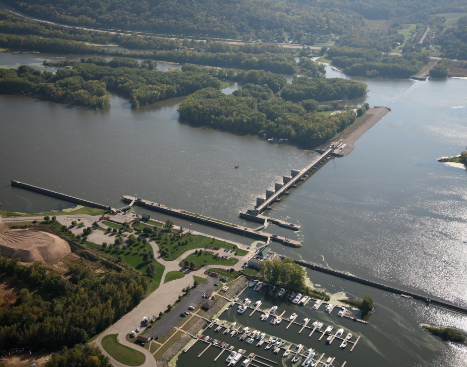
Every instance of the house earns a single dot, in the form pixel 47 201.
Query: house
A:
pixel 208 293
pixel 143 339
pixel 208 304
pixel 263 254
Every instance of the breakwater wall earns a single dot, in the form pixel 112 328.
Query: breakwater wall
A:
pixel 387 288
pixel 58 195
pixel 211 222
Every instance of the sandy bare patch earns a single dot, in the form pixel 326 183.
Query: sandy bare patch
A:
pixel 32 246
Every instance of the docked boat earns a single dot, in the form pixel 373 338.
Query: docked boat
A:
pixel 328 329
pixel 257 304
pixel 319 326
pixel 226 331
pixel 222 344
pixel 261 336
pixel 329 308
pixel 340 332
pixel 314 362
pixel 298 348
pixel 297 298
pixel 231 356
pixel 273 309
pixel 258 286
pixel 281 343
pixel 308 352
pixel 317 304
pixel 218 328
pixel 293 316
pixel 264 316
pixel 342 312
pixel 343 344
pixel 210 325
pixel 277 349
pixel 305 320
pixel 273 320
pixel 281 292
pixel 304 300
pixel 246 362
pixel 233 333
pixel 292 297
pixel 245 301
pixel 286 353
pixel 349 336
pixel 329 339
pixel 269 346
pixel 251 341
pixel 241 309
pixel 242 337
pixel 233 325
pixel 215 342
pixel 252 283
pixel 307 362
pixel 260 343
pixel 278 320
pixel 296 358
pixel 235 359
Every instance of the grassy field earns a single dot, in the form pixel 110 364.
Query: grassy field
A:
pixel 75 210
pixel 173 248
pixel 452 18
pixel 133 256
pixel 199 280
pixel 122 353
pixel 160 352
pixel 173 275
pixel 115 225
pixel 208 258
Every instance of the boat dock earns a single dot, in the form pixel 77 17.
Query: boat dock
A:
pixel 312 331
pixel 211 222
pixel 355 343
pixel 304 326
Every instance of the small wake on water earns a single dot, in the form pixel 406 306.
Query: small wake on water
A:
pixel 405 90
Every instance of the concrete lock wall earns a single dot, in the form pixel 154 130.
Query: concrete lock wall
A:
pixel 286 179
pixel 278 186
pixel 294 172
pixel 259 201
pixel 269 193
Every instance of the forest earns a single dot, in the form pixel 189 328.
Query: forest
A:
pixel 53 310
pixel 255 110
pixel 373 63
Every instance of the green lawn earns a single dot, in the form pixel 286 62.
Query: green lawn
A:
pixel 122 353
pixel 172 247
pixel 115 225
pixel 207 258
pixel 133 256
pixel 250 271
pixel 173 275
pixel 199 280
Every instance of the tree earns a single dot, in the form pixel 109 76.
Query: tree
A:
pixel 367 304
pixel 146 257
pixel 192 265
pixel 186 263
pixel 168 224
pixel 46 218
pixel 151 270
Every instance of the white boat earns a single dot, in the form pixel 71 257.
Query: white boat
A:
pixel 286 353
pixel 313 362
pixel 273 309
pixel 257 304
pixel 273 320
pixel 329 339
pixel 264 316
pixel 297 298
pixel 307 362
pixel 210 325
pixel 343 344
pixel 342 312
pixel 245 329
pixel 278 320
pixel 252 283
pixel 241 309
pixel 258 286
pixel 305 320
pixel 292 296
pixel 277 349
pixel 349 336
pixel 304 300
pixel 281 343
pixel 329 308
pixel 218 328
pixel 231 356
pixel 245 301
pixel 319 326
pixel 233 325
pixel 246 362
pixel 298 348
pixel 328 329
pixel 281 292
pixel 233 333
pixel 269 346
pixel 261 336
pixel 296 358
pixel 317 304
pixel 260 343
pixel 293 316
pixel 235 359
pixel 308 352
pixel 340 332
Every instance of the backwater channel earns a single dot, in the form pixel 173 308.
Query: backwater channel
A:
pixel 387 212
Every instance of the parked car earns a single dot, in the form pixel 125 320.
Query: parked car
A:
pixel 182 314
pixel 191 307
pixel 216 284
pixel 186 313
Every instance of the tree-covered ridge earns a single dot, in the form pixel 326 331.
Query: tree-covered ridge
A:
pixel 373 63
pixel 268 20
pixel 254 110
pixel 53 310
pixel 79 356
pixel 453 42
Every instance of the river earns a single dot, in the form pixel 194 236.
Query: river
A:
pixel 387 212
